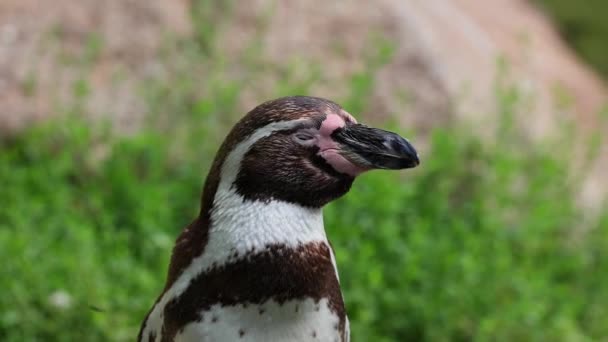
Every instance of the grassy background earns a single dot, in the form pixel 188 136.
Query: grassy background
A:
pixel 482 242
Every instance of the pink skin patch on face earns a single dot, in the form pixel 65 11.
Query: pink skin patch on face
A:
pixel 330 150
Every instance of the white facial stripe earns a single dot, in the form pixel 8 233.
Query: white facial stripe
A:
pixel 232 164
pixel 349 117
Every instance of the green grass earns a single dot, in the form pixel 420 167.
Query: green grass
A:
pixel 482 242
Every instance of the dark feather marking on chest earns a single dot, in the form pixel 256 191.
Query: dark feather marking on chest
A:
pixel 278 273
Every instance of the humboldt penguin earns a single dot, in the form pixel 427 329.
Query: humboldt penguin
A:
pixel 256 264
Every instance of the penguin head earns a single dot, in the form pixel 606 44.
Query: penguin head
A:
pixel 304 150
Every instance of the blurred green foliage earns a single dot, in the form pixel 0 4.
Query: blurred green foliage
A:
pixel 584 25
pixel 482 242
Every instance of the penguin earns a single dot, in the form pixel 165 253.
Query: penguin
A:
pixel 256 264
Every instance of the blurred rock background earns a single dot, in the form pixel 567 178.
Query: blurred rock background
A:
pixel 445 57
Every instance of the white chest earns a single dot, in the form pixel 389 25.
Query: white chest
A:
pixel 297 320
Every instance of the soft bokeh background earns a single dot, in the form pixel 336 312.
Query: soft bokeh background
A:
pixel 110 113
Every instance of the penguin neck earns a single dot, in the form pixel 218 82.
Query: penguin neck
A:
pixel 234 229
pixel 241 226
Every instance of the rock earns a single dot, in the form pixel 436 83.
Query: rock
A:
pixel 50 51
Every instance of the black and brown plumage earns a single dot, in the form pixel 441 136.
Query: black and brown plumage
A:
pixel 256 265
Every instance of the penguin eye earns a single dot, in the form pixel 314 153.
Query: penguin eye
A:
pixel 304 137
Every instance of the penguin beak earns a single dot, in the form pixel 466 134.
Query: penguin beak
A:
pixel 374 148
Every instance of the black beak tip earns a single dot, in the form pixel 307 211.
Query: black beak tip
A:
pixel 409 162
pixel 407 153
pixel 414 161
